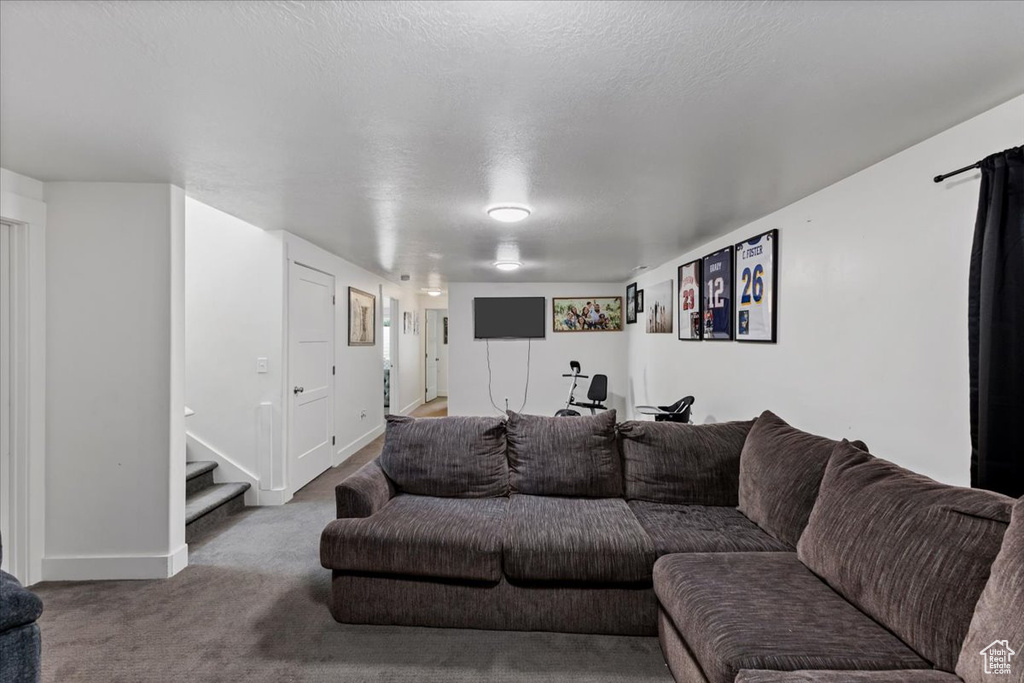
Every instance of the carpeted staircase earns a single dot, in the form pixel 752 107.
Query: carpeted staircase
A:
pixel 207 503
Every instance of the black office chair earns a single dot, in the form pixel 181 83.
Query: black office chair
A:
pixel 677 412
pixel 596 395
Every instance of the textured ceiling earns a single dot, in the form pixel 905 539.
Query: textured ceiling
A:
pixel 381 131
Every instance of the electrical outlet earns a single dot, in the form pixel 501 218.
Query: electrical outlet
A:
pixel 261 366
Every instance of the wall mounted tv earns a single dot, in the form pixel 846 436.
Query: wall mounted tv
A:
pixel 509 317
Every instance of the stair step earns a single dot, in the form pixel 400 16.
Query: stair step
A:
pixel 199 467
pixel 211 498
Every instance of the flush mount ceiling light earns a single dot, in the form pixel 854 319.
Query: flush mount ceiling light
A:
pixel 507 265
pixel 433 292
pixel 509 213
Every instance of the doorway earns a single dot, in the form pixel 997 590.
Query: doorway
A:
pixel 436 354
pixel 310 374
pixel 391 317
pixel 6 451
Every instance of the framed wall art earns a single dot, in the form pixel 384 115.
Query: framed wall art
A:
pixel 362 318
pixel 631 304
pixel 691 326
pixel 717 284
pixel 639 301
pixel 756 287
pixel 660 311
pixel 587 314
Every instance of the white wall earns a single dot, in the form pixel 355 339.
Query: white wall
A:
pixel 115 457
pixel 234 308
pixel 872 340
pixel 597 352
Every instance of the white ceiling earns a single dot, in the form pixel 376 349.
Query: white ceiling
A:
pixel 381 131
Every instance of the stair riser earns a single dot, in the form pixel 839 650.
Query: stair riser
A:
pixel 199 483
pixel 213 518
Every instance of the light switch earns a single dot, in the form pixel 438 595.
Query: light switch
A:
pixel 261 366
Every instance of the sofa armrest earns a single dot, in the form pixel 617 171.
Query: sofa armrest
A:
pixel 364 492
pixel 18 605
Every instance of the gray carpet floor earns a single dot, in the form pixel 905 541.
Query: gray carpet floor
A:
pixel 251 606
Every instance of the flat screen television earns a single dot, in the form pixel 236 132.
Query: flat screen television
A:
pixel 509 317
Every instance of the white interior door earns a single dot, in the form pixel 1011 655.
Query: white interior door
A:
pixel 310 374
pixel 431 355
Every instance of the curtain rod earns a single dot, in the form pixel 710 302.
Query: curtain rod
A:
pixel 940 178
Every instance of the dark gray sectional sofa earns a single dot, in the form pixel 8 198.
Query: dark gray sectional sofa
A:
pixel 757 552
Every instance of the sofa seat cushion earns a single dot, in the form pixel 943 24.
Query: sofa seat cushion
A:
pixel 998 619
pixel 780 471
pixel 575 539
pixel 455 538
pixel 702 529
pixel 684 464
pixel 556 456
pixel 911 553
pixel 904 676
pixel 457 457
pixel 767 611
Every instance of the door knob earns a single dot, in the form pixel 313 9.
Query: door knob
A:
pixel 298 390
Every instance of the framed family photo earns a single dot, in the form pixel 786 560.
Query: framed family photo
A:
pixel 631 304
pixel 718 303
pixel 691 325
pixel 659 313
pixel 756 284
pixel 587 314
pixel 362 318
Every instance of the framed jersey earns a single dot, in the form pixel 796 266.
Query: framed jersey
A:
pixel 756 286
pixel 691 326
pixel 717 289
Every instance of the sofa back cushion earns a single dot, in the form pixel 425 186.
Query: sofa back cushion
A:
pixel 908 551
pixel 449 457
pixel 780 471
pixel 999 615
pixel 564 456
pixel 670 462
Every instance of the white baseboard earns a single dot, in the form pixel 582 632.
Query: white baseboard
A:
pixel 228 471
pixel 348 451
pixel 411 407
pixel 98 568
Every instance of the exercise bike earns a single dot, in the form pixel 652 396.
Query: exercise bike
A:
pixel 596 394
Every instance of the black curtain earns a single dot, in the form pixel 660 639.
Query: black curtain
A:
pixel 996 327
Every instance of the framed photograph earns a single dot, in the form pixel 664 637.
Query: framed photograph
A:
pixel 631 304
pixel 362 318
pixel 639 301
pixel 587 314
pixel 407 322
pixel 416 323
pixel 691 325
pixel 446 329
pixel 717 284
pixel 659 313
pixel 756 285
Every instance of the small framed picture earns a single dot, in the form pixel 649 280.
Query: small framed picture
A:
pixel 631 304
pixel 659 315
pixel 362 318
pixel 446 329
pixel 756 278
pixel 691 325
pixel 587 314
pixel 639 301
pixel 717 285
